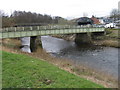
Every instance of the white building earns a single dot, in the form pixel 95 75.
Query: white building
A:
pixel 101 21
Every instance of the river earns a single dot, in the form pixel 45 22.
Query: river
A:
pixel 103 59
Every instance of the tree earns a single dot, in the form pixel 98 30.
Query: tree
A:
pixel 1 14
pixel 5 20
pixel 22 17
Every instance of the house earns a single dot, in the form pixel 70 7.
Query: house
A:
pixel 95 20
pixel 84 21
pixel 107 20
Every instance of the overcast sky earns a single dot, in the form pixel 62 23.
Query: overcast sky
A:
pixel 63 8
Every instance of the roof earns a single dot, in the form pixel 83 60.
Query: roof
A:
pixel 95 20
pixel 84 19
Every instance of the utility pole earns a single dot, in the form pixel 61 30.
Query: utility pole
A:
pixel 119 6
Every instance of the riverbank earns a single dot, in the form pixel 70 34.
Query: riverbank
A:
pixel 82 71
pixel 21 71
pixel 111 39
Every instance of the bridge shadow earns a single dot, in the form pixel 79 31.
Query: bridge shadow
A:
pixel 86 46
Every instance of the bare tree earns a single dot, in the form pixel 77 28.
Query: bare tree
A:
pixel 29 17
pixel 115 14
pixel 1 14
pixel 5 20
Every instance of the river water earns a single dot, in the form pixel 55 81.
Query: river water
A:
pixel 103 59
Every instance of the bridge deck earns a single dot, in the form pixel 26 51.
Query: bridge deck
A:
pixel 13 32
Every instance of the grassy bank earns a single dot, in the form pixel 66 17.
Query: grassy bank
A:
pixel 111 39
pixel 21 71
pixel 12 45
pixel 113 33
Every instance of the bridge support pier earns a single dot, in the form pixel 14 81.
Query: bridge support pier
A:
pixel 82 38
pixel 33 43
pixel 30 44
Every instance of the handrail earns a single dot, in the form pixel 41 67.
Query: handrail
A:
pixel 54 27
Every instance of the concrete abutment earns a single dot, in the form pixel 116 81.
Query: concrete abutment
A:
pixel 87 38
pixel 83 38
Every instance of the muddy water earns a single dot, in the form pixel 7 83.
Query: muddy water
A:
pixel 103 59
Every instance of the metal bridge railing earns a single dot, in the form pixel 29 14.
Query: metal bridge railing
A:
pixel 55 27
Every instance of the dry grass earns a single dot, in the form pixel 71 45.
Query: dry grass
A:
pixel 108 43
pixel 68 65
pixel 111 43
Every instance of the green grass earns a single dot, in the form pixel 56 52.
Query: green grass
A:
pixel 113 33
pixel 22 71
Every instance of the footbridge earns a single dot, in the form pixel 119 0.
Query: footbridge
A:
pixel 13 32
pixel 31 33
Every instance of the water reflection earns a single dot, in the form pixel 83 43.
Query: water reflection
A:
pixel 101 58
pixel 55 45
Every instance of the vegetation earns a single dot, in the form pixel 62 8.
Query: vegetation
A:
pixel 112 33
pixel 19 18
pixel 12 45
pixel 29 17
pixel 111 39
pixel 21 71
